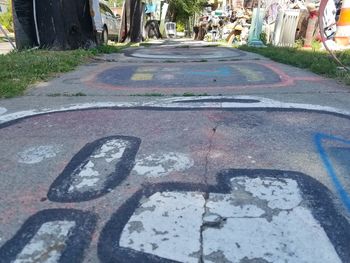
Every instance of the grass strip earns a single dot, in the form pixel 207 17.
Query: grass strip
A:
pixel 18 70
pixel 319 62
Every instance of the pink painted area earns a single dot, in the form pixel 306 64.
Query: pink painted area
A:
pixel 25 201
pixel 285 81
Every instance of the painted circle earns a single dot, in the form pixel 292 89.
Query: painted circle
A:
pixel 184 53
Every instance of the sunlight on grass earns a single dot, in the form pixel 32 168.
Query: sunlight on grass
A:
pixel 18 70
pixel 319 62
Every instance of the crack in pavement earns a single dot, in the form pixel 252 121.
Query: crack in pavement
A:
pixel 202 228
pixel 206 192
pixel 208 154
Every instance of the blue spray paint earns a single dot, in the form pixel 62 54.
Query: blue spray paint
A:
pixel 329 167
pixel 222 71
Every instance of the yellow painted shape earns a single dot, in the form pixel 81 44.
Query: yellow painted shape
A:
pixel 142 76
pixel 146 69
pixel 251 75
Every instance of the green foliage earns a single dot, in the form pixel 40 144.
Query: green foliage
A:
pixel 6 19
pixel 108 49
pixel 111 3
pixel 316 45
pixel 299 43
pixel 263 38
pixel 180 27
pixel 181 10
pixel 319 62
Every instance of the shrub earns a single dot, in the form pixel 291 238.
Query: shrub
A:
pixel 6 19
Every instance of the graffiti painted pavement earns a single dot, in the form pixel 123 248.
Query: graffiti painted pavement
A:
pixel 201 182
pixel 182 69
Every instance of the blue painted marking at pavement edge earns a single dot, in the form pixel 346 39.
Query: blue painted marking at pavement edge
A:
pixel 329 167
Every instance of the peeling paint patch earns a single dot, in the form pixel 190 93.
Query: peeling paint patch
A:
pixel 96 169
pixel 258 219
pixel 176 231
pixel 162 164
pixel 249 216
pixel 231 206
pixel 37 154
pixel 266 221
pixel 286 239
pixel 47 244
pixel 280 194
pixel 99 166
pixel 53 235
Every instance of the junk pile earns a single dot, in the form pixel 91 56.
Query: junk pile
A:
pixel 154 20
pixel 278 22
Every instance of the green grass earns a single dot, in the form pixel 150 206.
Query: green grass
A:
pixel 319 62
pixel 190 94
pixel 18 70
pixel 65 94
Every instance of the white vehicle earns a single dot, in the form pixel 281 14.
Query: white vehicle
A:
pixel 110 24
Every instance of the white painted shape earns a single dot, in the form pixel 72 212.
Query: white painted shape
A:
pixel 85 176
pixel 88 170
pixel 112 150
pixel 289 233
pixel 211 218
pixel 37 154
pixel 99 165
pixel 223 205
pixel 170 221
pixel 279 194
pixel 162 164
pixel 47 244
pixel 77 106
pixel 2 110
pixel 293 236
pixel 85 182
pixel 166 77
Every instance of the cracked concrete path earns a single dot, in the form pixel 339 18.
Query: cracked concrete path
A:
pixel 144 174
pixel 258 219
pixel 108 177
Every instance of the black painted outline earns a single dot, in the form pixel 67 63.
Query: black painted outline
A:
pixel 58 191
pixel 79 238
pixel 317 198
pixel 218 100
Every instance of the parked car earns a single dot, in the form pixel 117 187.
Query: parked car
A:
pixel 111 24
